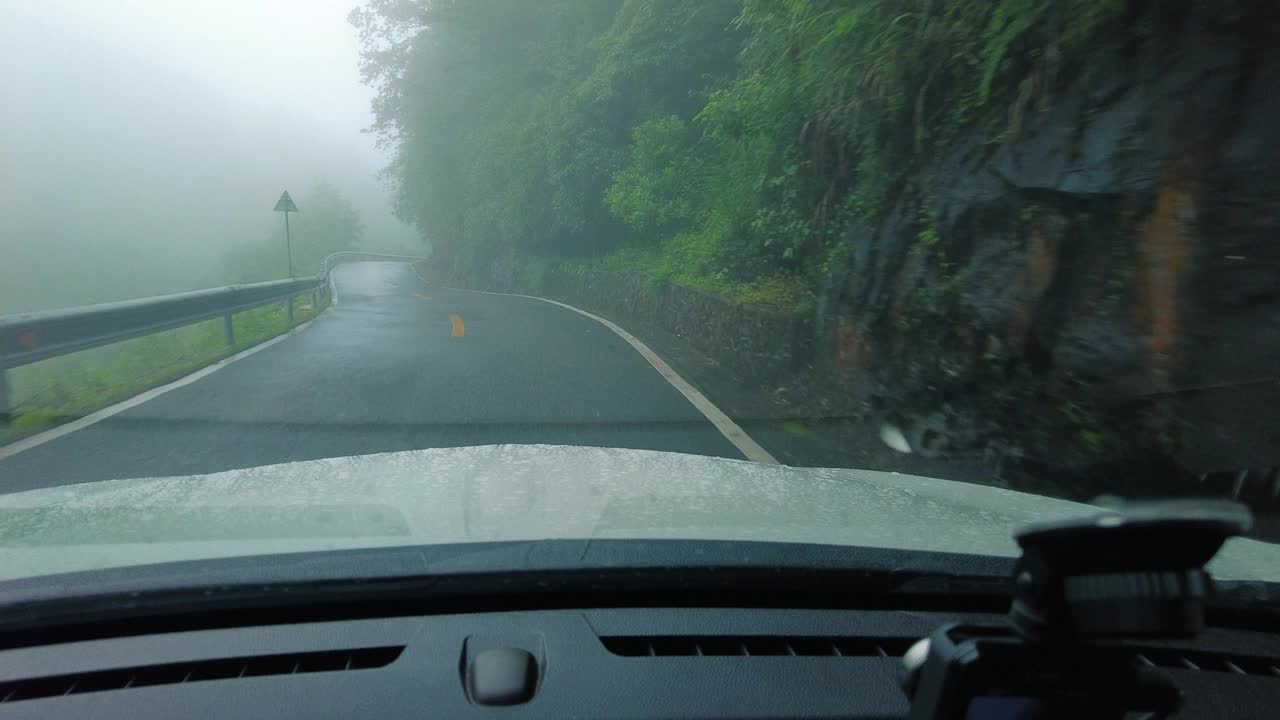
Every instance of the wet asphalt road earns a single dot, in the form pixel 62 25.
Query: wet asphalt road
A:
pixel 388 368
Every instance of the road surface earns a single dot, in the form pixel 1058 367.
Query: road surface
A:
pixel 394 365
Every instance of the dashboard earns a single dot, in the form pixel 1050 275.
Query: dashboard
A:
pixel 646 662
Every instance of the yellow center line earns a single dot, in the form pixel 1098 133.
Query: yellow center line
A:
pixel 420 296
pixel 727 427
pixel 458 328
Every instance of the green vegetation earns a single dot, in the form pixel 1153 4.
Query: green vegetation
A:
pixel 326 224
pixel 724 144
pixel 678 261
pixel 796 428
pixel 61 389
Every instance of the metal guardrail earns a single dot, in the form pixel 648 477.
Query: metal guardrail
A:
pixel 333 259
pixel 30 337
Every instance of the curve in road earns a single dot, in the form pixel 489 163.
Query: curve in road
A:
pixel 395 365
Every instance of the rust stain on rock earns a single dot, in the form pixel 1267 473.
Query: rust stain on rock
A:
pixel 1164 256
pixel 1042 257
pixel 1043 246
pixel 851 349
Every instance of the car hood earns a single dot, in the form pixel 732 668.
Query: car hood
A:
pixel 520 492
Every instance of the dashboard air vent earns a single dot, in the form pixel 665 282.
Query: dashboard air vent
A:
pixel 199 670
pixel 772 645
pixel 754 645
pixel 1207 661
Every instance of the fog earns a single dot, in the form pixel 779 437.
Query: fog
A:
pixel 143 143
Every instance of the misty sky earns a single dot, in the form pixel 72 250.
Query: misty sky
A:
pixel 140 139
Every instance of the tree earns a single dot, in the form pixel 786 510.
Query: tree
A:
pixel 510 119
pixel 326 222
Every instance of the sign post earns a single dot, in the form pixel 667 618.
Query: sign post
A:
pixel 286 206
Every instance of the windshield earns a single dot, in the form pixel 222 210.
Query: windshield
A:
pixel 294 275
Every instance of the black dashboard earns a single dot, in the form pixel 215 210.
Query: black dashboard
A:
pixel 700 662
pixel 550 629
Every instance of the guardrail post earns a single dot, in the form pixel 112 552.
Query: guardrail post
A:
pixel 228 330
pixel 6 404
pixel 288 311
pixel 315 300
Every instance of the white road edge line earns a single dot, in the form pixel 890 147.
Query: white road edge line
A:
pixel 38 439
pixel 727 427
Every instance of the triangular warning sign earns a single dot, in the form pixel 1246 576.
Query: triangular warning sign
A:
pixel 285 203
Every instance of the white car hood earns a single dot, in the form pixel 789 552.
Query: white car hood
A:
pixel 520 492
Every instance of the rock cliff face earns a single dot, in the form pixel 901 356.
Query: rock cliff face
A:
pixel 1098 287
pixel 1088 284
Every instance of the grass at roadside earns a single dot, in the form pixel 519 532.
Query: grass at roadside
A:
pixel 61 389
pixel 681 261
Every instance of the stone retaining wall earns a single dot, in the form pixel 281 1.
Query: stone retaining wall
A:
pixel 758 344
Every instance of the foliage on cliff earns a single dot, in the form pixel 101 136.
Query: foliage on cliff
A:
pixel 730 141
